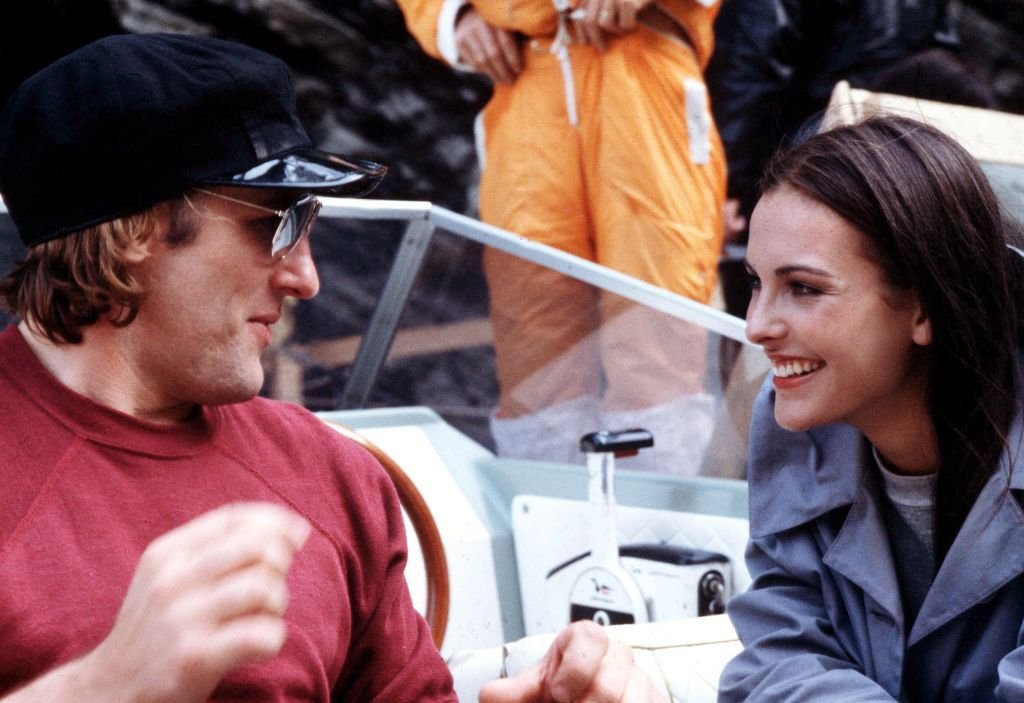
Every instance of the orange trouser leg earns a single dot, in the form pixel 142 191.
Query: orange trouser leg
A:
pixel 622 189
pixel 655 177
pixel 544 323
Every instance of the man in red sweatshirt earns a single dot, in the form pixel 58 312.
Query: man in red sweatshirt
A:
pixel 166 534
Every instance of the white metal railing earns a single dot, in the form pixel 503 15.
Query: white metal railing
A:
pixel 424 218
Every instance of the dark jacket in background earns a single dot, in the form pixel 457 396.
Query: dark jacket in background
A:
pixel 776 62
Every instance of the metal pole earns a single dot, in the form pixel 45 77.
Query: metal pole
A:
pixel 376 343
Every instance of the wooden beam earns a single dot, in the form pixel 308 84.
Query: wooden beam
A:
pixel 409 342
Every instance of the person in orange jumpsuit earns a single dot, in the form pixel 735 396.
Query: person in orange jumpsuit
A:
pixel 598 140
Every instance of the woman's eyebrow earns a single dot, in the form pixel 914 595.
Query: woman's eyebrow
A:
pixel 800 268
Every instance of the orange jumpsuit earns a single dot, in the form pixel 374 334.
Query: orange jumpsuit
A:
pixel 636 184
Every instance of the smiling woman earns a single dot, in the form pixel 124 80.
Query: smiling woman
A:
pixel 822 289
pixel 886 527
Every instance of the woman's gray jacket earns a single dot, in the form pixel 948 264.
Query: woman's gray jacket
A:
pixel 823 619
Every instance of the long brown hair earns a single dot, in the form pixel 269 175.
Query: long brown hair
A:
pixel 937 229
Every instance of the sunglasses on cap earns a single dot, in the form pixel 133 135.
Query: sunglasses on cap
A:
pixel 296 220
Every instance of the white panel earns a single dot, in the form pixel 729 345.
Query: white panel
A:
pixel 550 531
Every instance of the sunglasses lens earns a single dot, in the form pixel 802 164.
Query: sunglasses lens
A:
pixel 296 223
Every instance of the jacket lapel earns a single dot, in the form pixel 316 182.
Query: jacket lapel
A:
pixel 795 477
pixel 861 551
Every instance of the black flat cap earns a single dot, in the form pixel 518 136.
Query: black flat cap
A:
pixel 130 120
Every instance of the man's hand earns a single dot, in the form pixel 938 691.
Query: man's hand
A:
pixel 593 19
pixel 582 665
pixel 489 50
pixel 205 598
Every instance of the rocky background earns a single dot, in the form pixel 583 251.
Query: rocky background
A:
pixel 366 89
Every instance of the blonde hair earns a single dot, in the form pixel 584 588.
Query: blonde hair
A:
pixel 69 283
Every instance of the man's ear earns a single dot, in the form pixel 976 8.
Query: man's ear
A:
pixel 140 248
pixel 922 331
pixel 137 251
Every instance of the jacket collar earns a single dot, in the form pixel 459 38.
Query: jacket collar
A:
pixel 795 477
pixel 824 468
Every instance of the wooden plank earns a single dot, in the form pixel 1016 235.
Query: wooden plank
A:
pixel 409 342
